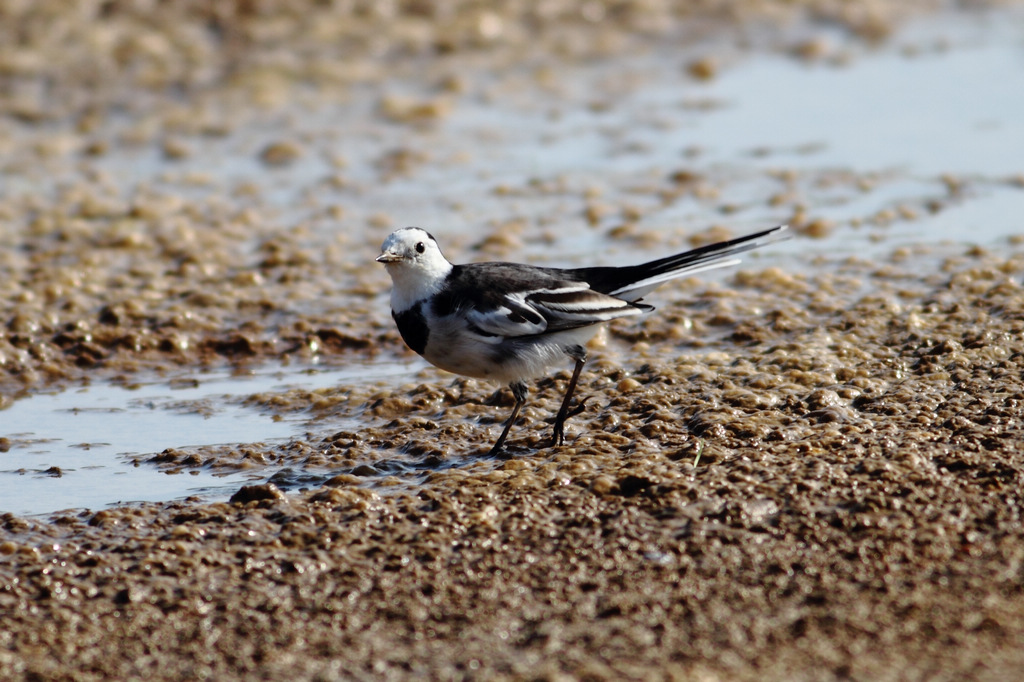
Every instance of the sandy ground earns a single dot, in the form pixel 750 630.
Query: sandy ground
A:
pixel 778 476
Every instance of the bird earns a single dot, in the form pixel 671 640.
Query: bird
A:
pixel 511 322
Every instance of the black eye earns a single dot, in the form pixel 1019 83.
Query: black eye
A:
pixel 420 248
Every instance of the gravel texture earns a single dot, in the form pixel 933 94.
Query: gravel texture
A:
pixel 777 476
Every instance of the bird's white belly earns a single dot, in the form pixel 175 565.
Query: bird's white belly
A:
pixel 504 360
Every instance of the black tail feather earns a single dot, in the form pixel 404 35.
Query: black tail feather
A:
pixel 609 279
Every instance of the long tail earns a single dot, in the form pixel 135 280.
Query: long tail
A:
pixel 634 281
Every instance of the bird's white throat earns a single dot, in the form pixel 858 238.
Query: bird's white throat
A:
pixel 413 282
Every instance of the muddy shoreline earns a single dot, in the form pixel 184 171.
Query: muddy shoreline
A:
pixel 807 470
pixel 837 496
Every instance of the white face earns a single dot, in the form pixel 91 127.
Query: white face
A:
pixel 415 263
pixel 412 247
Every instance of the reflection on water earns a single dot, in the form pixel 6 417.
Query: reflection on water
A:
pixel 79 448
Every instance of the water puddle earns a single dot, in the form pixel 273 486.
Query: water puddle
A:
pixel 88 447
pixel 944 110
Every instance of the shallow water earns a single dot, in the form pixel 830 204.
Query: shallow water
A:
pixel 858 133
pixel 88 447
pixel 943 110
pixel 939 100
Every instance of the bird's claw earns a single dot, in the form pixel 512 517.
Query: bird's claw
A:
pixel 558 436
pixel 579 408
pixel 500 453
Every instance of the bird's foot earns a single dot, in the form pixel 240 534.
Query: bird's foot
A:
pixel 500 452
pixel 558 435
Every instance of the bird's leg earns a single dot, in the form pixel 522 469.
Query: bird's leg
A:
pixel 519 391
pixel 579 353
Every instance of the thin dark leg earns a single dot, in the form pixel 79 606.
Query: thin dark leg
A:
pixel 519 391
pixel 558 437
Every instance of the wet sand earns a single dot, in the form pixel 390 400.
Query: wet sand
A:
pixel 807 473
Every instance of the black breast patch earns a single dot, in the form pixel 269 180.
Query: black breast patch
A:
pixel 412 325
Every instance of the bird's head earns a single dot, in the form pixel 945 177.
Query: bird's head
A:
pixel 415 263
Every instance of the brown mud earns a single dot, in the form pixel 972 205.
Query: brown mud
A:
pixel 778 476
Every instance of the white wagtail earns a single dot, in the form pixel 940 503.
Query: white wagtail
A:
pixel 509 322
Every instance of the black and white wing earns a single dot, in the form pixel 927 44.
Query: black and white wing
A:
pixel 508 300
pixel 545 311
